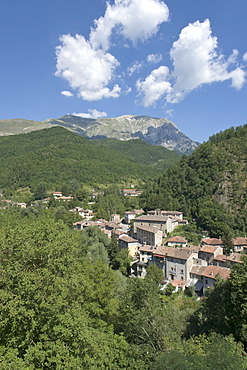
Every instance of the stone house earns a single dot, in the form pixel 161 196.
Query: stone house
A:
pixel 176 263
pixel 222 260
pixel 176 214
pixel 209 252
pixel 149 235
pixel 162 222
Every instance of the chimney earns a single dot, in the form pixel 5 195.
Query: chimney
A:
pixel 157 212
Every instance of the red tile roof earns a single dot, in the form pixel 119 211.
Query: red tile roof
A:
pixel 212 271
pixel 212 241
pixel 177 239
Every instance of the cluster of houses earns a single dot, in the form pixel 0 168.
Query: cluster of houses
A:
pixel 183 265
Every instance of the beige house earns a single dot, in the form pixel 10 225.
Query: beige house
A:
pixel 149 235
pixel 130 215
pixel 176 214
pixel 162 222
pixel 146 253
pixel 129 243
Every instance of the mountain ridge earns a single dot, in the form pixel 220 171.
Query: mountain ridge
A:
pixel 153 130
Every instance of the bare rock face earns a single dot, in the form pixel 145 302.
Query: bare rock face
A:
pixel 155 131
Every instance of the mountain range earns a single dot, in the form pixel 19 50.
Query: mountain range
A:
pixel 155 131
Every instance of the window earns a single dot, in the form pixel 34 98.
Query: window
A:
pixel 206 281
pixel 182 278
pixel 142 259
pixel 182 271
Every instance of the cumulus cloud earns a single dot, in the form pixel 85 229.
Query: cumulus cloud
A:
pixel 86 69
pixel 195 63
pixel 154 86
pixel 133 19
pixel 154 58
pixel 87 65
pixel 245 57
pixel 67 93
pixel 92 113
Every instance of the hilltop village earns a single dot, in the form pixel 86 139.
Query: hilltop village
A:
pixel 147 239
pixel 183 265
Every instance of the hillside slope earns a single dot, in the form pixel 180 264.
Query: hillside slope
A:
pixel 210 185
pixel 56 156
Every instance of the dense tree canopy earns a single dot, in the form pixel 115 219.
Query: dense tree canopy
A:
pixel 62 306
pixel 210 185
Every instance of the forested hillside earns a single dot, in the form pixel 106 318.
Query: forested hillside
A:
pixel 142 152
pixel 56 156
pixel 209 186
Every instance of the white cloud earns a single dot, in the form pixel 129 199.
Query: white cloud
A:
pixel 135 68
pixel 133 19
pixel 154 86
pixel 154 58
pixel 196 62
pixel 245 57
pixel 86 64
pixel 92 113
pixel 87 70
pixel 67 93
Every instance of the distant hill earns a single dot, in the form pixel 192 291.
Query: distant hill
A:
pixel 57 156
pixel 20 126
pixel 155 131
pixel 210 185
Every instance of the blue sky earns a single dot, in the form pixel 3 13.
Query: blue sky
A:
pixel 184 60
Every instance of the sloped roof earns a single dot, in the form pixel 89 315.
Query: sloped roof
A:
pixel 212 271
pixel 127 239
pixel 177 239
pixel 212 241
pixel 150 229
pixel 181 253
pixel 239 241
pixel 208 249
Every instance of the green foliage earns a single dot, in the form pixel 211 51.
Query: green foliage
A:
pixel 190 232
pixel 66 159
pixel 224 307
pixel 203 353
pixel 122 261
pixel 63 307
pixel 154 274
pixel 56 306
pixel 143 153
pixel 210 185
